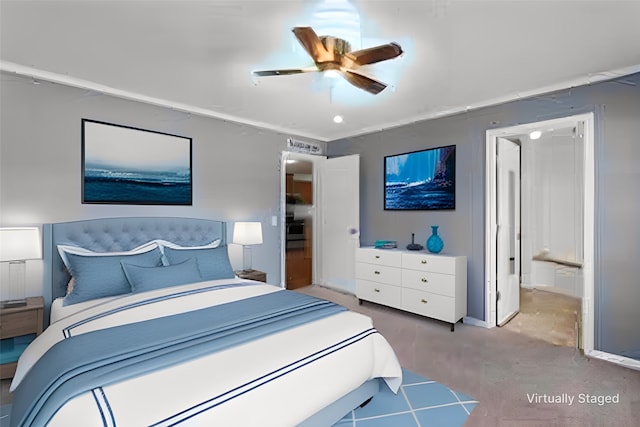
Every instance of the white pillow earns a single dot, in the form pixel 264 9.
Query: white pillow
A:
pixel 63 250
pixel 165 243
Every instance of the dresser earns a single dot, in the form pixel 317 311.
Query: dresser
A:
pixel 419 282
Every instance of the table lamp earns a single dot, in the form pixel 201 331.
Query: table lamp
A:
pixel 245 234
pixel 18 244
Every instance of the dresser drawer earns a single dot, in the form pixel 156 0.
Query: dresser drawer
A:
pixel 378 292
pixel 437 283
pixel 19 323
pixel 426 262
pixel 379 257
pixel 428 304
pixel 378 273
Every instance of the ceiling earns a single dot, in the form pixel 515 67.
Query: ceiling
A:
pixel 197 56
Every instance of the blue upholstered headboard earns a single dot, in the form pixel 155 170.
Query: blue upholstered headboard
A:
pixel 117 234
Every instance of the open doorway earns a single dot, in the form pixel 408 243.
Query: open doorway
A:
pixel 331 221
pixel 299 221
pixel 556 243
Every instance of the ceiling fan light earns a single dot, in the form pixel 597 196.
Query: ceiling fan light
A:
pixel 332 74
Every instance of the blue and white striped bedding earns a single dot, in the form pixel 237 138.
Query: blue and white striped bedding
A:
pixel 278 379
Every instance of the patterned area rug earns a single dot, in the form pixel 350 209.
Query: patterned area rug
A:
pixel 420 402
pixel 5 410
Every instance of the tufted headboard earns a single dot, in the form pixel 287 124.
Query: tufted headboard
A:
pixel 117 234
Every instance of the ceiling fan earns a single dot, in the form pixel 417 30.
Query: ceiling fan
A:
pixel 332 53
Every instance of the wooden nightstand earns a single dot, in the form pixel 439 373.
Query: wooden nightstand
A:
pixel 18 327
pixel 259 276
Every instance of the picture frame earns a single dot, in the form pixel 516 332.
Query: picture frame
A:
pixel 128 165
pixel 421 180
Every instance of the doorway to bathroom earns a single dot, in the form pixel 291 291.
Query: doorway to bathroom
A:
pixel 540 244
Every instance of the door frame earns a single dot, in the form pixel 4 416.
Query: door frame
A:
pixel 517 204
pixel 588 317
pixel 314 159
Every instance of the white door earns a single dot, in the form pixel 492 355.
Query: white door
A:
pixel 508 239
pixel 339 189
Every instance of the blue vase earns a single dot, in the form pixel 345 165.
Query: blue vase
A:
pixel 434 242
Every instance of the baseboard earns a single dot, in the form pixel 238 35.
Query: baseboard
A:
pixel 334 288
pixel 614 358
pixel 472 321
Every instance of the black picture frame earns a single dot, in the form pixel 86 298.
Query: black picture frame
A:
pixel 128 165
pixel 421 180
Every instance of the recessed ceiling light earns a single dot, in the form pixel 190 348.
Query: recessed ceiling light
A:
pixel 337 119
pixel 535 134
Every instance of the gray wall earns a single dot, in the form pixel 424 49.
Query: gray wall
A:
pixel 617 112
pixel 236 173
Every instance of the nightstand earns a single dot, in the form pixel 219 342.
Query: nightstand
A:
pixel 259 276
pixel 18 327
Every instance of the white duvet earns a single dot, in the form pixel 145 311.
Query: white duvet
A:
pixel 298 382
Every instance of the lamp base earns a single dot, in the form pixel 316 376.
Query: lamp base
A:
pixel 13 303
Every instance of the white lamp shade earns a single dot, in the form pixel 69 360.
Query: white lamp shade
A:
pixel 20 243
pixel 247 233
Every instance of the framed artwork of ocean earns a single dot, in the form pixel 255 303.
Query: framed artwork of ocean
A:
pixel 128 165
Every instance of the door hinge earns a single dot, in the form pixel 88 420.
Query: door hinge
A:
pixel 498 296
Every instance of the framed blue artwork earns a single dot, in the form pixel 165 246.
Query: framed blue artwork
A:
pixel 421 180
pixel 127 165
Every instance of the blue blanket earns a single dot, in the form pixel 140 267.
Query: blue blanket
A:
pixel 95 359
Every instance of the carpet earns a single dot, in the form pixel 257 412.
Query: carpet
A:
pixel 420 402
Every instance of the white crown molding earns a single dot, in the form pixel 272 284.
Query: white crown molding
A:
pixel 37 74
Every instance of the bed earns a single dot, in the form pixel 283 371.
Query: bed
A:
pixel 182 341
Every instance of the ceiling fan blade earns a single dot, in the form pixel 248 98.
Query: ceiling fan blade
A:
pixel 312 44
pixel 284 72
pixel 375 54
pixel 363 82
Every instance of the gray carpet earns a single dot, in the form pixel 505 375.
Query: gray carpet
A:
pixel 503 370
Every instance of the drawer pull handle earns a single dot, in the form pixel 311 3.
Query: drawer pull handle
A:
pixel 424 261
pixel 424 301
pixel 423 280
pixel 377 256
pixel 376 272
pixel 376 290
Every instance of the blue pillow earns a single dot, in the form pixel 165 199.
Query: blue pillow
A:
pixel 213 262
pixel 103 276
pixel 150 278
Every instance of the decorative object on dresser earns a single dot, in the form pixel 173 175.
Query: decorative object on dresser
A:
pixel 430 285
pixel 413 246
pixel 434 242
pixel 385 244
pixel 18 327
pixel 258 276
pixel 18 244
pixel 245 234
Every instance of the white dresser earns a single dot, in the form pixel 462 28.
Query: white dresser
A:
pixel 416 281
